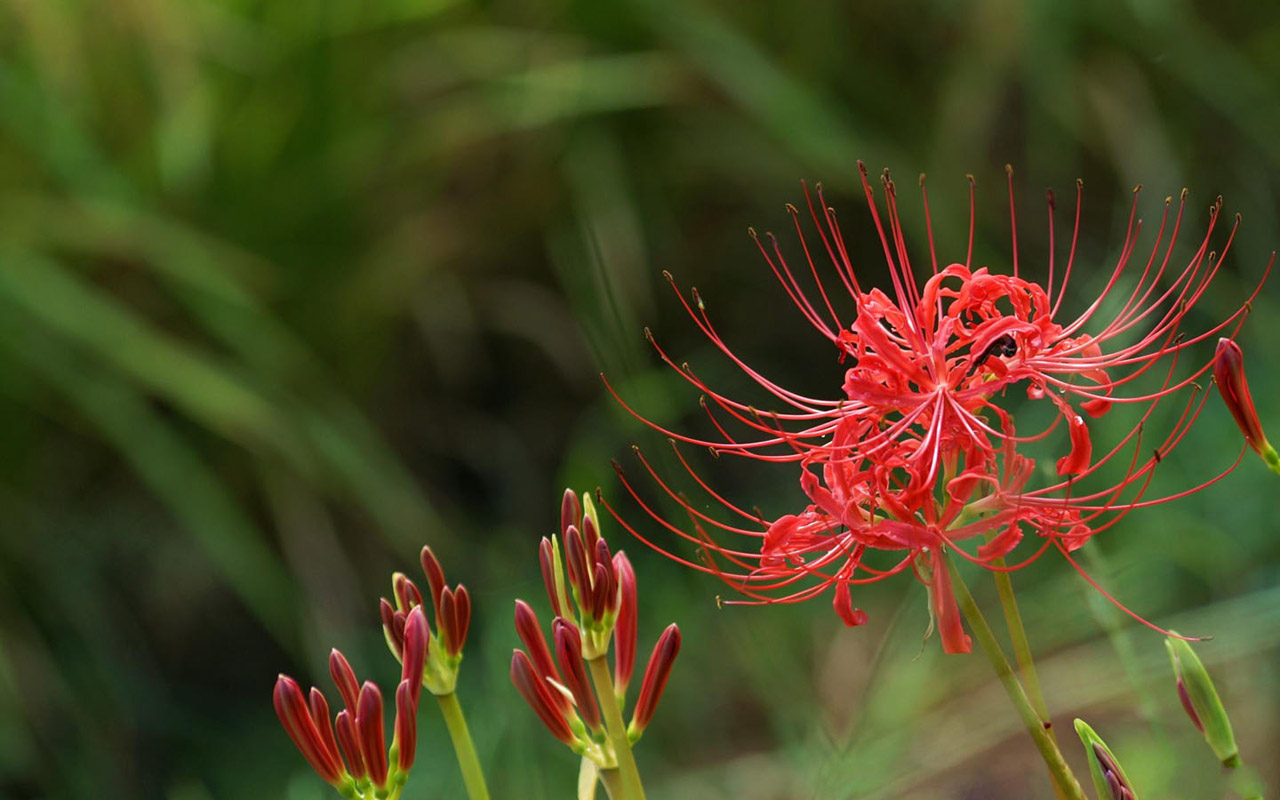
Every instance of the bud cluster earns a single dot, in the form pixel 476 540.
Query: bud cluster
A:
pixel 554 679
pixel 349 752
pixel 452 609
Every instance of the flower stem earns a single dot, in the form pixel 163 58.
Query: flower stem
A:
pixel 463 747
pixel 1063 780
pixel 1021 646
pixel 629 774
pixel 1022 653
pixel 612 781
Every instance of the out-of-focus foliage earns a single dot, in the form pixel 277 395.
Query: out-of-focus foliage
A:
pixel 288 289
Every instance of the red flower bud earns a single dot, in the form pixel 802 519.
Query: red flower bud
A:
pixel 530 632
pixel 407 594
pixel 454 619
pixel 416 637
pixel 1228 373
pixel 537 694
pixel 298 722
pixel 393 632
pixel 575 557
pixel 345 679
pixel 406 736
pixel 655 678
pixel 435 579
pixel 624 632
pixel 349 742
pixel 323 722
pixel 546 560
pixel 373 738
pixel 569 655
pixel 570 511
pixel 590 533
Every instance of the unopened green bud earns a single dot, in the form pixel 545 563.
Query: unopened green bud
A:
pixel 1109 780
pixel 1200 699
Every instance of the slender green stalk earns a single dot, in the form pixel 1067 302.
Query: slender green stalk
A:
pixel 463 747
pixel 1021 646
pixel 612 780
pixel 628 772
pixel 1022 652
pixel 1058 769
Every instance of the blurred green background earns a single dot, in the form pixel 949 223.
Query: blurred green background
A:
pixel 289 289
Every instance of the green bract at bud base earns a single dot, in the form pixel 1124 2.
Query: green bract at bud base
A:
pixel 1109 780
pixel 1201 700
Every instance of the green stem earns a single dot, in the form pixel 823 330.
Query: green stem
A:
pixel 612 780
pixel 1022 653
pixel 463 747
pixel 628 772
pixel 1063 780
pixel 1021 646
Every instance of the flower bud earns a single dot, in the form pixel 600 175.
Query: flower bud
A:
pixel 570 511
pixel 553 576
pixel 625 630
pixel 537 694
pixel 590 519
pixel 1109 780
pixel 416 645
pixel 345 679
pixel 1201 701
pixel 655 680
pixel 454 619
pixel 569 656
pixel 406 592
pixel 296 717
pixel 406 735
pixel 1228 373
pixel 435 579
pixel 373 738
pixel 349 743
pixel 392 627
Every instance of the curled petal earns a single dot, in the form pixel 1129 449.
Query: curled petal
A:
pixel 945 610
pixel 1077 461
pixel 851 616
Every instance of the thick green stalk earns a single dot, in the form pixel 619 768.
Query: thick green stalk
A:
pixel 463 747
pixel 1058 770
pixel 602 677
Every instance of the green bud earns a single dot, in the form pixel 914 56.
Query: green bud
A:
pixel 1200 699
pixel 1109 780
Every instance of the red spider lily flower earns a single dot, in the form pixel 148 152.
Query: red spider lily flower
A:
pixel 356 736
pixel 919 451
pixel 1228 374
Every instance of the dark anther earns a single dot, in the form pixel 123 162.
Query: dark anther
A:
pixel 1004 346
